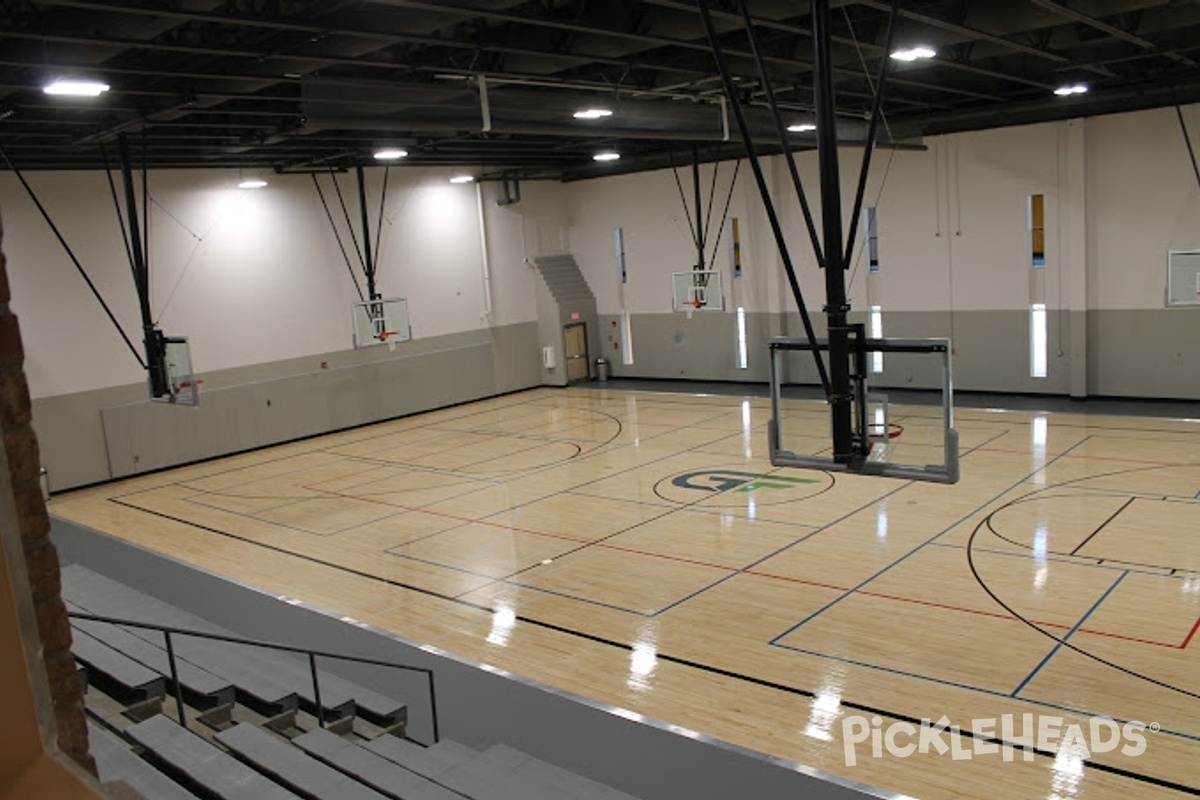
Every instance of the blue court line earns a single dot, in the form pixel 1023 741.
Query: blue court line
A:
pixel 192 499
pixel 296 528
pixel 1061 559
pixel 986 443
pixel 1058 645
pixel 921 546
pixel 492 580
pixel 970 688
pixel 788 546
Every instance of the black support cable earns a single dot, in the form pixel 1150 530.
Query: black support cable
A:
pixel 146 210
pixel 337 236
pixel 712 196
pixel 346 213
pixel 140 267
pixel 869 145
pixel 112 188
pixel 699 207
pixel 682 197
pixel 781 132
pixel 382 204
pixel 773 217
pixel 71 255
pixel 368 264
pixel 725 214
pixel 1188 140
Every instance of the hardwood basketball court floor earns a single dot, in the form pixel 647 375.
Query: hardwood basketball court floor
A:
pixel 637 549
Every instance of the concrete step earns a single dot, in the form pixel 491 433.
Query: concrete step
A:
pixel 202 764
pixel 370 768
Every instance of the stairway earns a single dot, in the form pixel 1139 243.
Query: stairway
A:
pixel 566 282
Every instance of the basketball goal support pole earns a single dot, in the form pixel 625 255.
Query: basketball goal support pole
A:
pixel 368 262
pixel 152 337
pixel 841 396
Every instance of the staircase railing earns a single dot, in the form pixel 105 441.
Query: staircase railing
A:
pixel 169 632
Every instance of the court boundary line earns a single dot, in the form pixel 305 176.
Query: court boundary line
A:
pixel 1063 641
pixel 711 669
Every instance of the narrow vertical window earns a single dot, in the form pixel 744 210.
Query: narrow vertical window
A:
pixel 872 227
pixel 1037 230
pixel 626 338
pixel 1037 340
pixel 619 252
pixel 1038 344
pixel 741 338
pixel 622 279
pixel 876 333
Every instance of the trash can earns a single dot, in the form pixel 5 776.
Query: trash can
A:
pixel 602 369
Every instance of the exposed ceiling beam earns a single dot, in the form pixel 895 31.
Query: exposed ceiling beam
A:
pixel 1064 10
pixel 970 33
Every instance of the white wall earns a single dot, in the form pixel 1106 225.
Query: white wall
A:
pixel 1143 199
pixel 955 248
pixel 960 206
pixel 249 276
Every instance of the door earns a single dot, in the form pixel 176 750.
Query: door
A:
pixel 575 343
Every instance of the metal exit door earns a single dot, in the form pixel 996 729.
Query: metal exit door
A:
pixel 576 349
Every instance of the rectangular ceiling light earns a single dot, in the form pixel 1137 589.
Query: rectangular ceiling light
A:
pixel 76 88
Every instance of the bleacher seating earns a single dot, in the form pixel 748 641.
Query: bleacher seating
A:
pixel 370 768
pixel 201 763
pixel 269 681
pixel 291 766
pixel 116 762
pixel 272 747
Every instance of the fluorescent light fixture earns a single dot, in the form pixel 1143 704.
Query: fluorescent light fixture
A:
pixel 607 155
pixel 802 127
pixel 593 113
pixel 390 154
pixel 1067 91
pixel 252 183
pixel 914 53
pixel 76 88
pixel 462 179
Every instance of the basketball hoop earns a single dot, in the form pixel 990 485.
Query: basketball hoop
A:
pixel 383 335
pixel 877 431
pixel 695 303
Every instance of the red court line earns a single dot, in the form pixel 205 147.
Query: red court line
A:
pixel 962 610
pixel 1188 640
pixel 880 595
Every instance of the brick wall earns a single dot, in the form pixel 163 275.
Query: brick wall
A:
pixel 20 444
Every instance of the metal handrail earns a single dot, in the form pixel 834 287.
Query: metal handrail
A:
pixel 168 631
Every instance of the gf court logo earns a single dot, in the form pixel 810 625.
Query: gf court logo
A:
pixel 736 487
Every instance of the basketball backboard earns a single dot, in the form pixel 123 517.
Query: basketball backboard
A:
pixel 180 385
pixel 697 290
pixel 915 440
pixel 381 321
pixel 1183 278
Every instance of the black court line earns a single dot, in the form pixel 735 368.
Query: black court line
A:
pixel 310 437
pixel 987 523
pixel 1114 515
pixel 684 662
pixel 665 657
pixel 1041 494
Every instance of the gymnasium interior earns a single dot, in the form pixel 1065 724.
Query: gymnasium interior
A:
pixel 574 399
